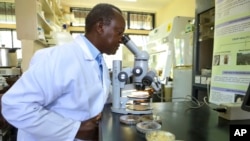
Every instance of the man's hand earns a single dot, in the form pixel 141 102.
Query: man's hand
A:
pixel 89 129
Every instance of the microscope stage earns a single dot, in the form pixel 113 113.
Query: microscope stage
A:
pixel 139 95
pixel 139 107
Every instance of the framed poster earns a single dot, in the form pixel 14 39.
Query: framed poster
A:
pixel 231 54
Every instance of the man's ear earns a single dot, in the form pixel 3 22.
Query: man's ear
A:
pixel 99 27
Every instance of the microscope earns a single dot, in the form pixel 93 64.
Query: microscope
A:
pixel 142 79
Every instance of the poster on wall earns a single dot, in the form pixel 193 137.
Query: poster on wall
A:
pixel 231 54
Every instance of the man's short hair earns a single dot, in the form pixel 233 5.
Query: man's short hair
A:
pixel 101 12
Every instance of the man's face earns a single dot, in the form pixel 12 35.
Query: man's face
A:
pixel 112 34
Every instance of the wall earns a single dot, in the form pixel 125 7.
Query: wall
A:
pixel 175 8
pixel 29 47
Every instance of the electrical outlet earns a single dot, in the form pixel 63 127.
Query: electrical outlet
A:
pixel 208 80
pixel 203 80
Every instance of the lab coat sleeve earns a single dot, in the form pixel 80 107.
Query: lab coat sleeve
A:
pixel 110 96
pixel 24 105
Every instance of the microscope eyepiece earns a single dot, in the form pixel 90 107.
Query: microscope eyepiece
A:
pixel 125 39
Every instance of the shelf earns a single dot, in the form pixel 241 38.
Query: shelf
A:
pixel 39 13
pixel 57 9
pixel 43 42
pixel 47 42
pixel 206 38
pixel 202 86
pixel 59 19
pixel 45 25
pixel 206 24
pixel 47 8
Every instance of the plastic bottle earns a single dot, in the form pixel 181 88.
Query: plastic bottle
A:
pixel 63 36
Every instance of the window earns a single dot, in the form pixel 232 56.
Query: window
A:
pixel 8 38
pixel 141 21
pixel 134 20
pixel 16 42
pixel 79 15
pixel 140 40
pixel 5 38
pixel 7 13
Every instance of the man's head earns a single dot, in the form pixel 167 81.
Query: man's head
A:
pixel 104 27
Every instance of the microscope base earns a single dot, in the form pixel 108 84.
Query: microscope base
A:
pixel 127 111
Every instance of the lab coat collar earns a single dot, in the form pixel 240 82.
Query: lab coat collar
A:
pixel 87 55
pixel 94 51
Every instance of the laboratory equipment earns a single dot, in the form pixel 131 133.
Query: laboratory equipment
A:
pixel 142 79
pixel 62 37
pixel 237 110
pixel 232 111
pixel 9 69
pixel 170 47
pixel 9 74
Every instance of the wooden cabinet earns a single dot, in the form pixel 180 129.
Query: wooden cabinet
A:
pixel 205 40
pixel 203 48
pixel 37 19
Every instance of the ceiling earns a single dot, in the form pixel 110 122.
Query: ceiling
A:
pixel 138 5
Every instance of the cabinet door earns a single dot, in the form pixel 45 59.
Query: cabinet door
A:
pixel 37 18
pixel 26 19
pixel 203 53
pixel 205 40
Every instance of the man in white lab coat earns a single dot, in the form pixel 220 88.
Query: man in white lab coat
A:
pixel 62 94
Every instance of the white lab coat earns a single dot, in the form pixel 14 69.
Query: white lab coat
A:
pixel 60 89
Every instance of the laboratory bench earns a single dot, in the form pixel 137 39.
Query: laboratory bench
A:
pixel 7 132
pixel 188 124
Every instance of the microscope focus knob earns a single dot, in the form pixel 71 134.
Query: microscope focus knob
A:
pixel 137 71
pixel 122 76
